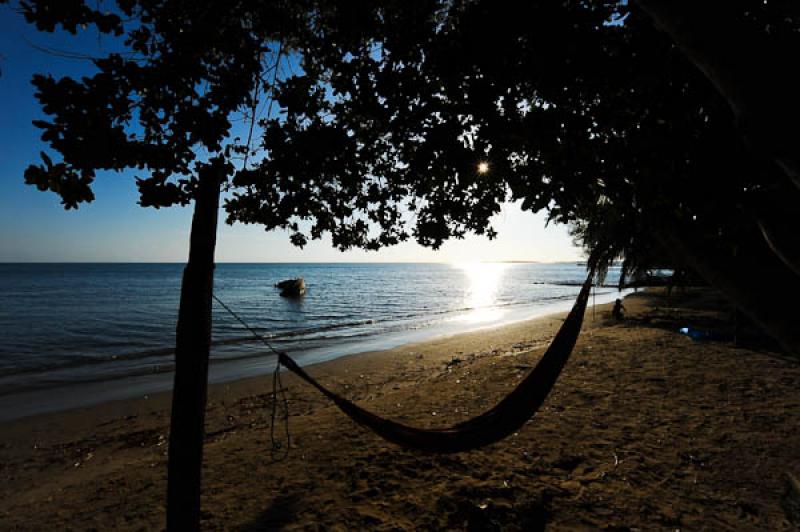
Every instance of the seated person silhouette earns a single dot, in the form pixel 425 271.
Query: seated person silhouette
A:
pixel 617 311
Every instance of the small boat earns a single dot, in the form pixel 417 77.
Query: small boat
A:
pixel 292 287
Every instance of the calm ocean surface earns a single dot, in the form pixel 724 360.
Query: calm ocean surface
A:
pixel 75 334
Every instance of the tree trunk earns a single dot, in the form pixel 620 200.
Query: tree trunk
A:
pixel 192 347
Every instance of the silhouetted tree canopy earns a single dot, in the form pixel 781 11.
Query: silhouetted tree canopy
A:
pixel 389 108
pixel 568 108
pixel 163 104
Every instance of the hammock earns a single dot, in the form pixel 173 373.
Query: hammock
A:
pixel 508 416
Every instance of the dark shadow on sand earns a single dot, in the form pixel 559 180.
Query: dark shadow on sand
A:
pixel 701 309
pixel 279 513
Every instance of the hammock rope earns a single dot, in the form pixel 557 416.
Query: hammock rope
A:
pixel 505 418
pixel 278 391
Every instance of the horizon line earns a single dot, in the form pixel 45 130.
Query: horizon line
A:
pixel 302 262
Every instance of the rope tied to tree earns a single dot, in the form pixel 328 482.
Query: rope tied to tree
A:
pixel 278 393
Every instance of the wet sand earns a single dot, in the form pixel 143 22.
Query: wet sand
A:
pixel 646 429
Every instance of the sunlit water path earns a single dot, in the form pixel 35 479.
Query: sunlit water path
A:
pixel 77 333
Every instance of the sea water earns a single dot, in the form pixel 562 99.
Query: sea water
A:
pixel 74 334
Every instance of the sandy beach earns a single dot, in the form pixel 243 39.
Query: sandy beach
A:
pixel 646 429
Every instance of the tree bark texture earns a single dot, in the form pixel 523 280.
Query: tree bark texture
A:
pixel 193 342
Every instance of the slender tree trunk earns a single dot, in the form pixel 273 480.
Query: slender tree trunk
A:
pixel 783 240
pixel 193 343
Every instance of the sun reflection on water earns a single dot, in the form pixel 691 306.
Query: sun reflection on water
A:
pixel 484 280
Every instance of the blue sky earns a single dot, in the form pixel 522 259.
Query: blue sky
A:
pixel 35 228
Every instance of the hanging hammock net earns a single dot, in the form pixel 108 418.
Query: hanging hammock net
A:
pixel 505 418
